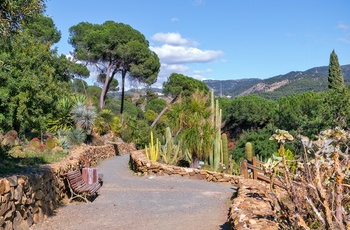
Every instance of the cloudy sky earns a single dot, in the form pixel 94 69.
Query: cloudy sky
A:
pixel 223 39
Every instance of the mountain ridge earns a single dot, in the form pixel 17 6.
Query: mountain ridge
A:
pixel 313 79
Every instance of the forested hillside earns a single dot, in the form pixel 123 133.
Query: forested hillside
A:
pixel 294 82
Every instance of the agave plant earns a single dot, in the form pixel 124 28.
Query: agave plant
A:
pixel 76 136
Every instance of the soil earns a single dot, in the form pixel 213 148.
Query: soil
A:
pixel 128 201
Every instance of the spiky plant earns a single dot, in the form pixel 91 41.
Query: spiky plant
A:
pixel 83 115
pixel 76 136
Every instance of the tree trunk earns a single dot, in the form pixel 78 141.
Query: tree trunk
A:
pixel 163 111
pixel 195 162
pixel 123 89
pixel 105 88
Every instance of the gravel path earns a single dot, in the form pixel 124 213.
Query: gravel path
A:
pixel 127 201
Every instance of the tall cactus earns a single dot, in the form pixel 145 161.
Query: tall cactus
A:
pixel 212 107
pixel 249 151
pixel 217 140
pixel 225 150
pixel 152 152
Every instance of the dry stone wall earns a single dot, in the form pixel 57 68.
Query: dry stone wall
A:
pixel 141 164
pixel 30 197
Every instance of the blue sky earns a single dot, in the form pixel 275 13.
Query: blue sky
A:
pixel 223 39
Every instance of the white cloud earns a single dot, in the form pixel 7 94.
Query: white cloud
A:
pixel 343 26
pixel 176 55
pixel 202 71
pixel 174 39
pixel 175 19
pixel 346 29
pixel 180 54
pixel 344 40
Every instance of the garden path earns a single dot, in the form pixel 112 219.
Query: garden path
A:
pixel 128 201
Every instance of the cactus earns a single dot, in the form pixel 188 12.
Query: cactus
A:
pixel 169 151
pixel 50 143
pixel 225 150
pixel 249 151
pixel 35 144
pixel 152 152
pixel 217 140
pixel 212 106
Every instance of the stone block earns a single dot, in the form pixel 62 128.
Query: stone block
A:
pixel 18 193
pixel 13 181
pixel 4 186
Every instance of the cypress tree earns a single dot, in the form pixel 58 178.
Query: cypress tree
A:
pixel 335 77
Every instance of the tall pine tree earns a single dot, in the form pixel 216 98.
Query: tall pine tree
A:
pixel 335 77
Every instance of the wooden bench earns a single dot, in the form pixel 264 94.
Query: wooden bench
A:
pixel 79 188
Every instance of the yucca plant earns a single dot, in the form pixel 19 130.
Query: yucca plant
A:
pixel 83 115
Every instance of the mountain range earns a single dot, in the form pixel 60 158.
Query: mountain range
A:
pixel 314 79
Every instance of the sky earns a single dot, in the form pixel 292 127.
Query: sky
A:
pixel 222 39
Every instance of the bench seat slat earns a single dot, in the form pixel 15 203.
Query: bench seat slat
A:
pixel 79 188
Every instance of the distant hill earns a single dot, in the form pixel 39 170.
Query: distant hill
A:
pixel 314 79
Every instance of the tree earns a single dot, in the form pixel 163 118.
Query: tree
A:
pixel 13 13
pixel 30 85
pixel 43 29
pixel 335 77
pixel 115 48
pixel 249 112
pixel 180 85
pixel 302 113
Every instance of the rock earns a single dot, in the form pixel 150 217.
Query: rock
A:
pixel 13 181
pixel 4 186
pixel 39 195
pixel 251 221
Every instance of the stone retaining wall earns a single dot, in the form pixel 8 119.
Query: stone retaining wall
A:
pixel 253 207
pixel 141 164
pixel 30 197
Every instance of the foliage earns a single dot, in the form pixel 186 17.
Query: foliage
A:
pixel 43 29
pixel 130 110
pixel 301 113
pixel 157 105
pixel 136 131
pixel 335 110
pixel 259 139
pixel 63 119
pixel 115 48
pixel 190 119
pixel 29 84
pixel 106 122
pixel 250 112
pixel 335 77
pixel 13 13
pixel 178 84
